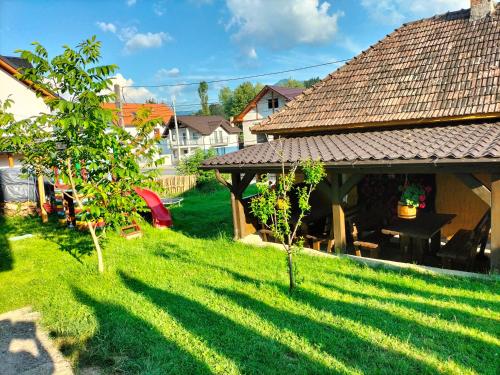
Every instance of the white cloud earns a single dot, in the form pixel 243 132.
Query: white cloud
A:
pixel 132 94
pixel 280 24
pixel 159 8
pixel 131 2
pixel 163 73
pixel 397 11
pixel 147 40
pixel 104 26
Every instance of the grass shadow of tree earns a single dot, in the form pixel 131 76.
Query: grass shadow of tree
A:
pixel 77 243
pixel 115 343
pixel 6 258
pixel 452 314
pixel 226 336
pixel 404 328
pixel 356 351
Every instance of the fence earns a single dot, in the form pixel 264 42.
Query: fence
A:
pixel 174 185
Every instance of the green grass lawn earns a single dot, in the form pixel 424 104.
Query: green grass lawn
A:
pixel 190 300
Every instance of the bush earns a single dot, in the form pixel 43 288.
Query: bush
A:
pixel 191 166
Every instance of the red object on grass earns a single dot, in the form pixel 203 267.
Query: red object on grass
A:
pixel 161 215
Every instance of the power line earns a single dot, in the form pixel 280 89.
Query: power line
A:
pixel 243 77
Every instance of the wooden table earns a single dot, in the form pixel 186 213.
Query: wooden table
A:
pixel 420 235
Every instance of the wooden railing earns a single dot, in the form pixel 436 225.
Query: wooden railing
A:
pixel 174 185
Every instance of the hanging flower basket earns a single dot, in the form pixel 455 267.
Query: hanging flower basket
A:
pixel 413 196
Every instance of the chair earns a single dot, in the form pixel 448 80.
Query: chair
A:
pixel 366 232
pixel 461 249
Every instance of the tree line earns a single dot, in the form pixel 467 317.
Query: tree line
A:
pixel 233 101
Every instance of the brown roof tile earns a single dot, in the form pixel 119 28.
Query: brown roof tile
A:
pixel 444 66
pixel 470 141
pixel 205 124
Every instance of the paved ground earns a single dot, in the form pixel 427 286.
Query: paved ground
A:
pixel 25 349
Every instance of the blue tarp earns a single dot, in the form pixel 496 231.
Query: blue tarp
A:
pixel 16 187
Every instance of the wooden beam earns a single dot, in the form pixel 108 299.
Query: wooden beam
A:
pixel 495 223
pixel 476 186
pixel 41 197
pixel 245 181
pixel 222 180
pixel 352 181
pixel 338 217
pixel 10 158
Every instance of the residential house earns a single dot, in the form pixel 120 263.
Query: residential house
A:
pixel 269 100
pixel 424 102
pixel 158 111
pixel 25 102
pixel 201 132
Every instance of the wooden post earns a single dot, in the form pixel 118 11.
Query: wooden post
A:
pixel 495 223
pixel 10 158
pixel 118 104
pixel 237 207
pixel 41 197
pixel 338 218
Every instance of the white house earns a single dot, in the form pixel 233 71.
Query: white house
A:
pixel 23 93
pixel 266 102
pixel 202 132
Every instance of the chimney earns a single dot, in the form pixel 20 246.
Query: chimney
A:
pixel 481 8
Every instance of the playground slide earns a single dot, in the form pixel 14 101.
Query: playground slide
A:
pixel 161 215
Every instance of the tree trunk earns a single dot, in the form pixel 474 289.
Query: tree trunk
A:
pixel 290 268
pixel 97 245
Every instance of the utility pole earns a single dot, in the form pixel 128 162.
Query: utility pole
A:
pixel 176 131
pixel 118 104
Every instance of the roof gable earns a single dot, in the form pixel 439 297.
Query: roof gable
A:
pixel 441 68
pixel 287 92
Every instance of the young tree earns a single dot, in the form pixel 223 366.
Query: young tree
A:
pixel 273 208
pixel 203 94
pixel 81 140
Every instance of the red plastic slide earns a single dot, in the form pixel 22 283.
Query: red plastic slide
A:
pixel 161 215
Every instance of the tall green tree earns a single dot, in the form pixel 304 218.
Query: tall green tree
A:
pixel 311 81
pixel 203 94
pixel 234 101
pixel 82 140
pixel 290 82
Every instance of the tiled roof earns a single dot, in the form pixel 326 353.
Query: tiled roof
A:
pixel 161 110
pixel 441 67
pixel 471 141
pixel 205 125
pixel 287 92
pixel 16 62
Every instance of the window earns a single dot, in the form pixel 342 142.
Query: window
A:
pixel 261 138
pixel 272 103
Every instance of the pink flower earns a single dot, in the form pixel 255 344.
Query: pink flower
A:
pixel 421 205
pixel 421 198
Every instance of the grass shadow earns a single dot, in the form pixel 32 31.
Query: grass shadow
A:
pixel 77 243
pixel 452 314
pixel 355 351
pixel 126 343
pixel 226 336
pixel 6 258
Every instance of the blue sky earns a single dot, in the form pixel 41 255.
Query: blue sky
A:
pixel 172 41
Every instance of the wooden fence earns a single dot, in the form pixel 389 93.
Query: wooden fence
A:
pixel 174 185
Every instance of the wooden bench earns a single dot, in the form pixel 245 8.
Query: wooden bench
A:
pixel 366 232
pixel 461 249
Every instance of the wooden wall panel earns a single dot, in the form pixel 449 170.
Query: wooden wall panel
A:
pixel 453 197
